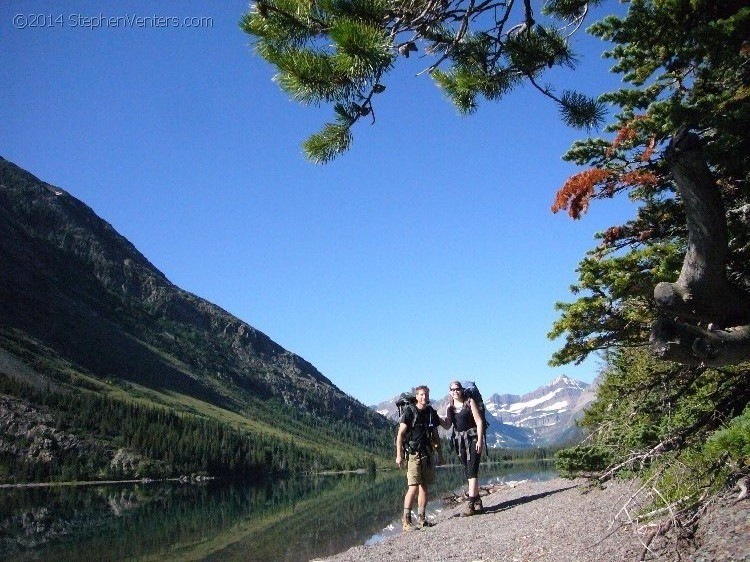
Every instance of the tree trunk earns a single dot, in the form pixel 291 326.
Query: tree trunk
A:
pixel 702 293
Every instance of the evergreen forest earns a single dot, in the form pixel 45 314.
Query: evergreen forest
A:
pixel 84 428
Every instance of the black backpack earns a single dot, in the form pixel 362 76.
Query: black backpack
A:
pixel 404 401
pixel 471 391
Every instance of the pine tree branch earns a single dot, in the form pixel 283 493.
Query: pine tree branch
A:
pixel 263 7
pixel 693 345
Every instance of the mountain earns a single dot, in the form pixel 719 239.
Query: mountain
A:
pixel 84 313
pixel 549 412
pixel 545 416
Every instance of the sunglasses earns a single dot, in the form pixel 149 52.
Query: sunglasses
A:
pixel 456 389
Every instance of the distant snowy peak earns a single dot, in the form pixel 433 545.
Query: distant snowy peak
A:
pixel 565 381
pixel 549 412
pixel 545 416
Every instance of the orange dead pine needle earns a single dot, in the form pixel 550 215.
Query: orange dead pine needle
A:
pixel 644 178
pixel 649 149
pixel 626 133
pixel 578 190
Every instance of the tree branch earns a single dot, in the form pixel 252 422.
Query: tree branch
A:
pixel 693 345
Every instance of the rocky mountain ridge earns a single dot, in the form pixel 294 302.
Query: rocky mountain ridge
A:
pixel 66 265
pixel 82 309
pixel 543 417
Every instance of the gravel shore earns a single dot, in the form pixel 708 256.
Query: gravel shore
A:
pixel 560 521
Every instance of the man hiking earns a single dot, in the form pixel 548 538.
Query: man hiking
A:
pixel 417 440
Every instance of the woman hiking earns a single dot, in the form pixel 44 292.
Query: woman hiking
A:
pixel 467 440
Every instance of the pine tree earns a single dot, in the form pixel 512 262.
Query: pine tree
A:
pixel 340 53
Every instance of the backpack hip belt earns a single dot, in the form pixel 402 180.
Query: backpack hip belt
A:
pixel 414 447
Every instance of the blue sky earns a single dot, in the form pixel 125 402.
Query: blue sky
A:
pixel 426 253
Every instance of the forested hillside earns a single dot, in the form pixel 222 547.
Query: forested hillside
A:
pixel 108 369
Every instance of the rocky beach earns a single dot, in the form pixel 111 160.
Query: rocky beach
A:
pixel 564 521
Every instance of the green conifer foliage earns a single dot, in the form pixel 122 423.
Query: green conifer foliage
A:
pixel 680 427
pixel 341 51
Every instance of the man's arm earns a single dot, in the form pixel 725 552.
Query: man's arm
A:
pixel 402 427
pixel 437 445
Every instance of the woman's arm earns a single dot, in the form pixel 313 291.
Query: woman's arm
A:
pixel 480 425
pixel 448 421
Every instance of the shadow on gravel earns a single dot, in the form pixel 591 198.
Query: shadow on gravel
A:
pixel 519 501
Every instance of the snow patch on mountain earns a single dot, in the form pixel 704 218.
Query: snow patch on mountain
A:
pixel 531 404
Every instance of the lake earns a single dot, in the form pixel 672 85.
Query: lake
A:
pixel 288 520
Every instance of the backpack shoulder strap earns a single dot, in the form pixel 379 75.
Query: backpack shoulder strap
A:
pixel 434 417
pixel 412 410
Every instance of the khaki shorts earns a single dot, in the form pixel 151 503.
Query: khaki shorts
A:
pixel 420 470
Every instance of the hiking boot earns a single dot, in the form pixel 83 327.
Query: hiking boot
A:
pixel 478 507
pixel 407 524
pixel 423 523
pixel 470 509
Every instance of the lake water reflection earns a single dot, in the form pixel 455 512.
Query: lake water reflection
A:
pixel 290 520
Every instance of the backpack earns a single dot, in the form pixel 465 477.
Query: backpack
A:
pixel 471 391
pixel 404 401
